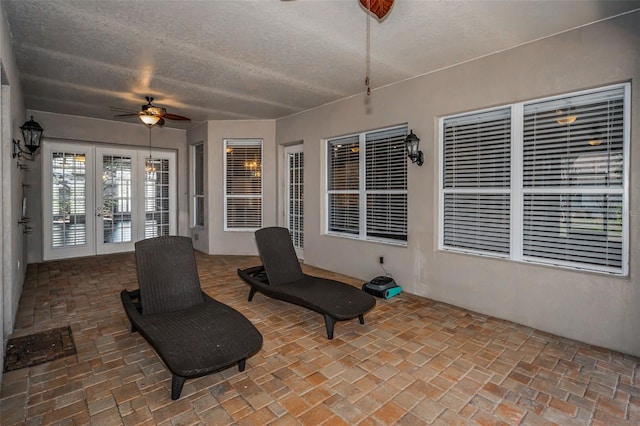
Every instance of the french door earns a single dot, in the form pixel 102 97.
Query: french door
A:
pixel 294 199
pixel 99 200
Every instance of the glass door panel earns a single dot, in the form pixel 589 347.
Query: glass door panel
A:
pixel 115 207
pixel 156 197
pixel 68 199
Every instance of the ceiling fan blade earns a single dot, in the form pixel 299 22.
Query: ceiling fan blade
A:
pixel 160 122
pixel 118 109
pixel 175 117
pixel 130 114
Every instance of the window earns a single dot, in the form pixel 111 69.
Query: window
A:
pixel 243 184
pixel 198 185
pixel 541 181
pixel 373 208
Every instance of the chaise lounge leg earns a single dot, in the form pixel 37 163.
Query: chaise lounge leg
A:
pixel 361 318
pixel 330 323
pixel 241 364
pixel 252 293
pixel 176 386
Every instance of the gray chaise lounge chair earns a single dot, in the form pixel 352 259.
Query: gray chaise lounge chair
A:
pixel 281 277
pixel 193 334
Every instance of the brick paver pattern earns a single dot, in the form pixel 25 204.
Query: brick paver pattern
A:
pixel 415 361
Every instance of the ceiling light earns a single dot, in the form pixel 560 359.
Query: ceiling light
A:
pixel 148 119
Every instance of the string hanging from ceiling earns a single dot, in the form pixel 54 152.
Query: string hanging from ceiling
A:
pixel 379 8
pixel 149 167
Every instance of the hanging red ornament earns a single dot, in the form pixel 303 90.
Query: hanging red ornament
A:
pixel 380 8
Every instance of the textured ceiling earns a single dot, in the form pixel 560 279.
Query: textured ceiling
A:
pixel 227 60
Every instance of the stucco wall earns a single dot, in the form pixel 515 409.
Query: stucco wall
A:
pixel 234 242
pixel 58 127
pixel 199 235
pixel 595 308
pixel 13 264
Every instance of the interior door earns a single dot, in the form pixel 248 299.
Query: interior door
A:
pixel 68 201
pixel 294 199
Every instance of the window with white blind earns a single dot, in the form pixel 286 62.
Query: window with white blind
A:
pixel 541 181
pixel 243 184
pixel 198 185
pixel 373 208
pixel 476 182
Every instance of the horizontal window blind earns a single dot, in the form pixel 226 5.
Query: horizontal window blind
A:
pixel 477 222
pixel 344 184
pixel 578 229
pixel 244 213
pixel 563 204
pixel 578 142
pixel 344 163
pixel 477 150
pixel 387 216
pixel 243 184
pixel 573 174
pixel 386 160
pixel 476 179
pixel 386 184
pixel 344 213
pixel 367 185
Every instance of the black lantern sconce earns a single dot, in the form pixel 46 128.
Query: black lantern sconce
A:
pixel 413 142
pixel 32 134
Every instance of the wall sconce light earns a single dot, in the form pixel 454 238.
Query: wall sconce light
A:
pixel 32 135
pixel 412 142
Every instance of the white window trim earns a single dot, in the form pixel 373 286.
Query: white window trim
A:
pixel 226 196
pixel 194 196
pixel 517 191
pixel 362 191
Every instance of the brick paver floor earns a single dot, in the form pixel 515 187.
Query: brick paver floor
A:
pixel 415 361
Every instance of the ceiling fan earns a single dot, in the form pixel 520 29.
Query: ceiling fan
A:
pixel 151 114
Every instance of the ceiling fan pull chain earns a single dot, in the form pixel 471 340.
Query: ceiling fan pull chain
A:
pixel 368 54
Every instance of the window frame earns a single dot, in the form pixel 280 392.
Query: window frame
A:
pixel 362 192
pixel 249 142
pixel 517 190
pixel 195 197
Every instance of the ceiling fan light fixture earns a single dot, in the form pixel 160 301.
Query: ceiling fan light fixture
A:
pixel 149 119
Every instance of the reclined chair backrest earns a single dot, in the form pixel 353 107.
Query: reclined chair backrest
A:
pixel 167 274
pixel 278 255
